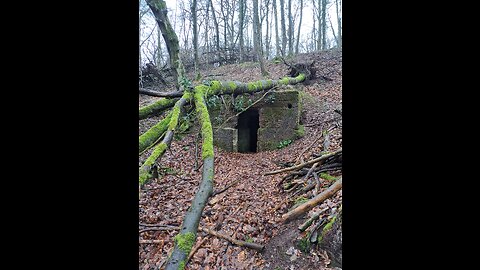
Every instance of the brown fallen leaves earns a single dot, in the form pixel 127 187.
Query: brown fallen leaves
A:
pixel 248 210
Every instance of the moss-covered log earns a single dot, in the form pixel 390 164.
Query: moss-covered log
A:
pixel 153 134
pixel 145 169
pixel 302 209
pixel 186 237
pixel 330 239
pixel 156 107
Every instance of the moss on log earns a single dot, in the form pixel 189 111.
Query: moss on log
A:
pixel 145 169
pixel 153 134
pixel 192 217
pixel 234 87
pixel 156 107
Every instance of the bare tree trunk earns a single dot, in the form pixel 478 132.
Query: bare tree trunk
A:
pixel 195 37
pixel 319 20
pixel 217 31
pixel 299 25
pixel 159 57
pixel 290 29
pixel 339 24
pixel 282 23
pixel 277 39
pixel 207 47
pixel 267 42
pixel 159 9
pixel 257 35
pixel 314 31
pixel 225 23
pixel 324 25
pixel 241 16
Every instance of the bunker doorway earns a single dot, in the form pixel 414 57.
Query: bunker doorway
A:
pixel 247 131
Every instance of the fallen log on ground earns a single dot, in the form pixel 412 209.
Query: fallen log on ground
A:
pixel 233 240
pixel 307 223
pixel 319 159
pixel 145 169
pixel 230 239
pixel 153 134
pixel 156 107
pixel 302 209
pixel 150 92
pixel 187 236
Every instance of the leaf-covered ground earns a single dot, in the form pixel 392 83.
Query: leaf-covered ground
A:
pixel 251 209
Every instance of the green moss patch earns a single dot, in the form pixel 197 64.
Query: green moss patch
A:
pixel 185 241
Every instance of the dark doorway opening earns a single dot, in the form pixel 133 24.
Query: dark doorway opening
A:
pixel 247 131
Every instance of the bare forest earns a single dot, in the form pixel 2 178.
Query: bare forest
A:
pixel 240 134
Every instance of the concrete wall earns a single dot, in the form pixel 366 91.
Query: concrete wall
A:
pixel 279 116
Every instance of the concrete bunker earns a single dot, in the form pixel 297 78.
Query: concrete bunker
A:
pixel 263 126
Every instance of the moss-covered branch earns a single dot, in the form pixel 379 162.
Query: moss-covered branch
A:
pixel 153 134
pixel 145 169
pixel 183 241
pixel 156 107
pixel 234 87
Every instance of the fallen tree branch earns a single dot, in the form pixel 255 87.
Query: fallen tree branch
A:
pixel 145 169
pixel 216 192
pixel 195 249
pixel 310 146
pixel 154 93
pixel 302 209
pixel 156 107
pixel 152 135
pixel 186 238
pixel 142 241
pixel 307 223
pixel 232 240
pixel 209 231
pixel 319 159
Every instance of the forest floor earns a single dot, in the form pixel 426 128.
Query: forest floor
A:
pixel 251 209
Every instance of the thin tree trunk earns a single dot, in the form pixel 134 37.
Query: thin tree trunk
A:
pixel 207 47
pixel 314 31
pixel 241 16
pixel 282 23
pixel 158 61
pixel 290 29
pixel 267 42
pixel 339 24
pixel 217 31
pixel 277 39
pixel 159 9
pixel 299 25
pixel 319 20
pixel 195 37
pixel 256 38
pixel 324 25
